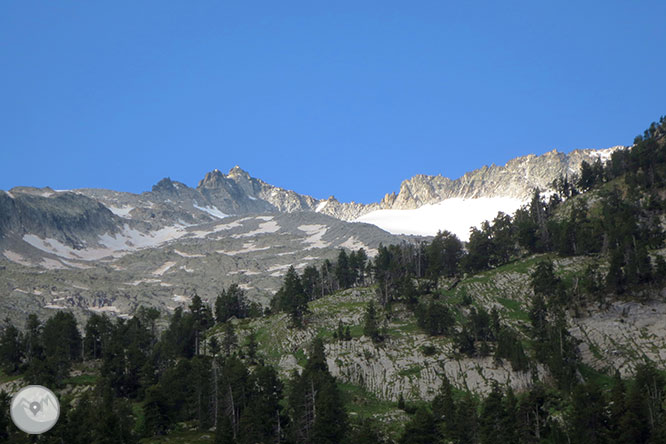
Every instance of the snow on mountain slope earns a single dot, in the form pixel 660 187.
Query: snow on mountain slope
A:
pixel 455 215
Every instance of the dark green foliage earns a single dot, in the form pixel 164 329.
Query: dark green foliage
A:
pixel 479 324
pixel 464 342
pixel 317 411
pixel 343 272
pixel 61 337
pixel 224 433
pixel 11 349
pixel 5 420
pixel 371 323
pixel 126 355
pixel 202 318
pixel 179 338
pixel 443 256
pixel 251 346
pixel 97 335
pixel 291 298
pixel 357 265
pixel 231 303
pixel 589 418
pixel 493 418
pixel 311 280
pixel 421 429
pixel 263 419
pixel 229 338
pixel 510 347
pixel 214 346
pixel 366 433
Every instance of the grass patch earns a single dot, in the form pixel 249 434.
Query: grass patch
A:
pixel 514 309
pixel 187 437
pixel 300 357
pixel 85 379
pixel 7 378
pixel 411 371
pixel 137 411
pixel 591 375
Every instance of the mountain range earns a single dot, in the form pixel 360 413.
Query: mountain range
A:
pixel 104 250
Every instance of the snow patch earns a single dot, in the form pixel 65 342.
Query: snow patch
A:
pixel 75 264
pixel 248 247
pixel 200 234
pixel 316 232
pixel 264 228
pixel 120 211
pixel 180 253
pixel 144 281
pixel 456 215
pixel 354 244
pixel 605 155
pixel 245 272
pixel 17 258
pixel 213 211
pixel 164 268
pixel 52 264
pixel 55 307
pixel 117 245
pixel 321 206
pixel 105 309
pixel 181 298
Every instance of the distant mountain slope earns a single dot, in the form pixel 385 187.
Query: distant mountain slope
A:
pixel 231 226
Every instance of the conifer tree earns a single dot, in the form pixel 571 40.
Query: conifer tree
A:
pixel 371 324
pixel 229 340
pixel 11 350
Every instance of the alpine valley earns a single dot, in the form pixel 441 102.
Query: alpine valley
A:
pixel 523 303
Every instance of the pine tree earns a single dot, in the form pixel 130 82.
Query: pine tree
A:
pixel 251 346
pixel 343 271
pixel 493 417
pixel 214 346
pixel 292 298
pixel 11 350
pixel 421 429
pixel 588 417
pixel 229 340
pixel 97 334
pixel 318 412
pixel 370 326
pixel 224 433
pixel 444 408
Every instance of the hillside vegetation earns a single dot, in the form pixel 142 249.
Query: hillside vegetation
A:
pixel 547 326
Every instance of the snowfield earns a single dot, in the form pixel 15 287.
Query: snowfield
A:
pixel 213 211
pixel 455 215
pixel 120 211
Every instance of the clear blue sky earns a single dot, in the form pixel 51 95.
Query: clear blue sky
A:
pixel 346 97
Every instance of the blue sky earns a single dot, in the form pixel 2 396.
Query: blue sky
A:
pixel 346 98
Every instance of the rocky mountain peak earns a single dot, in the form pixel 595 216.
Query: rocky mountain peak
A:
pixel 238 172
pixel 165 185
pixel 213 179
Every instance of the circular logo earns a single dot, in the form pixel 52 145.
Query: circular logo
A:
pixel 35 409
